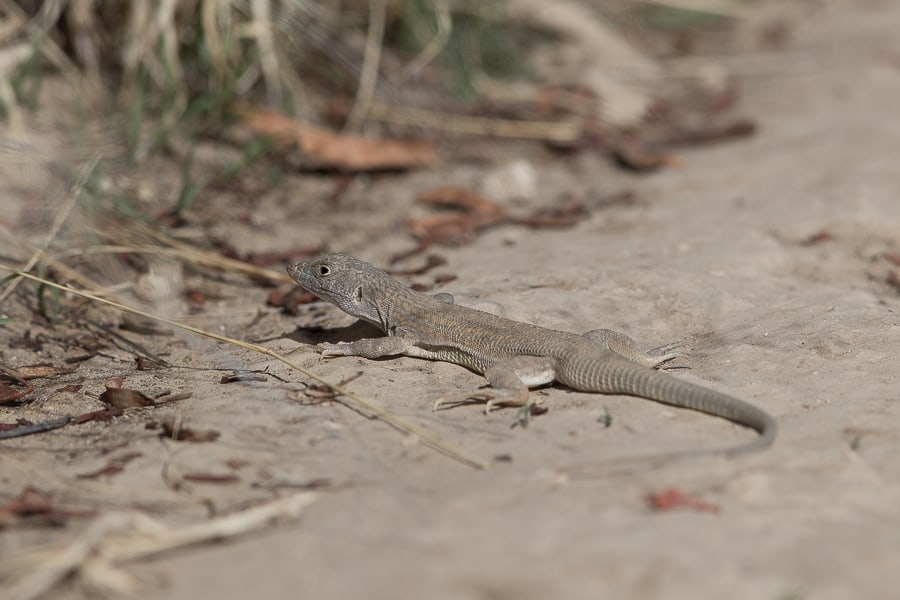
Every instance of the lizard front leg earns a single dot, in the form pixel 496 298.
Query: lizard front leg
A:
pixel 369 347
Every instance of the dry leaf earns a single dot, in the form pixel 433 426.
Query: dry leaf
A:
pixel 477 212
pixel 43 370
pixel 333 150
pixel 10 380
pixel 675 498
pixel 114 466
pixel 124 398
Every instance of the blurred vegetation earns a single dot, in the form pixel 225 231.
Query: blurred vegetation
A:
pixel 164 66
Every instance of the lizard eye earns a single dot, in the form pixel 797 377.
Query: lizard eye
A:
pixel 324 270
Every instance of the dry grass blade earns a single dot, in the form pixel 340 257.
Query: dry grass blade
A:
pixel 371 60
pixel 137 233
pixel 351 399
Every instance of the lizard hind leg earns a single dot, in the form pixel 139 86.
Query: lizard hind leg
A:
pixel 509 381
pixel 625 346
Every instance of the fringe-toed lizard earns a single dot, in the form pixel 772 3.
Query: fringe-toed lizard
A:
pixel 513 356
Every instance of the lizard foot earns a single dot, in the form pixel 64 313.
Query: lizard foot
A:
pixel 491 398
pixel 662 355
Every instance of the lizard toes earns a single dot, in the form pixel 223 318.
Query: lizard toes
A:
pixel 329 349
pixel 659 357
pixel 460 399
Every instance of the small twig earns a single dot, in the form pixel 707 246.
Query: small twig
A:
pixel 554 131
pixel 129 343
pixel 35 428
pixel 198 256
pixel 355 401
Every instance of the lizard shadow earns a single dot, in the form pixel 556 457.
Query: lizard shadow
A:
pixel 350 333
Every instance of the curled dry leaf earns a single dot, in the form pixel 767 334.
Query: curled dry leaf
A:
pixel 336 151
pixel 476 213
pixel 12 385
pixel 119 397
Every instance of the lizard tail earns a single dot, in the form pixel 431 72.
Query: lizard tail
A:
pixel 621 376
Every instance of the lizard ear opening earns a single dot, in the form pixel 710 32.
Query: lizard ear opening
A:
pixel 358 296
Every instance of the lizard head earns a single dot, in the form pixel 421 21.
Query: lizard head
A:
pixel 351 284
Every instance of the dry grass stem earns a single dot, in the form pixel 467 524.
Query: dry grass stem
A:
pixel 433 48
pixel 371 61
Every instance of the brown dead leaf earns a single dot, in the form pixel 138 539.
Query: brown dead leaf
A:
pixel 114 466
pixel 19 423
pixel 103 415
pixel 124 398
pixel 43 370
pixel 12 385
pixel 333 150
pixel 674 498
pixel 476 213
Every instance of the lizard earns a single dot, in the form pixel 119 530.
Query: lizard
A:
pixel 512 356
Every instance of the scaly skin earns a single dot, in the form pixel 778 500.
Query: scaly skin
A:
pixel 513 356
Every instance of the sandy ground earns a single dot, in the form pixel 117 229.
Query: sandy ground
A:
pixel 712 253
